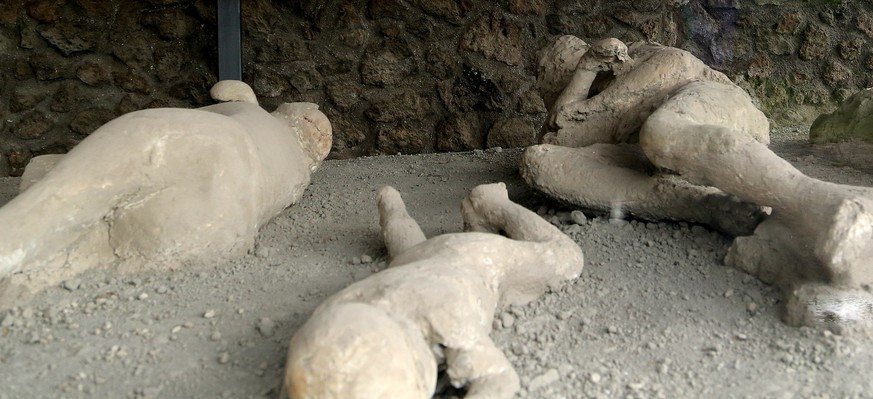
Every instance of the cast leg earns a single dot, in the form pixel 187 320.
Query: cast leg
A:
pixel 706 132
pixel 483 369
pixel 399 230
pixel 610 178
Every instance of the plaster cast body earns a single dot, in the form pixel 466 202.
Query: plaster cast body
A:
pixel 385 336
pixel 654 132
pixel 159 188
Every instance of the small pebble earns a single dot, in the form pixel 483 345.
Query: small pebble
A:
pixel 72 285
pixel 595 378
pixel 266 326
pixel 223 357
pixel 215 336
pixel 549 377
pixel 729 293
pixel 366 259
pixel 143 296
pixel 209 314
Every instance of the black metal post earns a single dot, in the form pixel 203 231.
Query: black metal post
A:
pixel 229 41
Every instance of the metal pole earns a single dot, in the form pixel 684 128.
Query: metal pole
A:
pixel 229 41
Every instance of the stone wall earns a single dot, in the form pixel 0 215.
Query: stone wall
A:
pixel 404 76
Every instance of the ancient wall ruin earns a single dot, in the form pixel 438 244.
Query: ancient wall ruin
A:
pixel 406 76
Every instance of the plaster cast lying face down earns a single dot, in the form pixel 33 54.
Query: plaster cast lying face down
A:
pixel 652 131
pixel 159 188
pixel 385 336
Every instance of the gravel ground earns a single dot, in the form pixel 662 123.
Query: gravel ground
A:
pixel 655 314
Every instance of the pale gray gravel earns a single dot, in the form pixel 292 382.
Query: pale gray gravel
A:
pixel 655 314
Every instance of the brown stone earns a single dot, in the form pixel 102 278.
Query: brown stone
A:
pixel 43 11
pixel 134 50
pixel 32 125
pixel 788 22
pixel 496 37
pixel 302 76
pixel 531 103
pixel 460 132
pixel 452 11
pixel 388 64
pixel 346 134
pixel 21 69
pixel 526 7
pixel 9 12
pixel 780 45
pixel 4 165
pixel 267 83
pixel 25 98
pixel 836 73
pixel 49 65
pixel 90 119
pixel 127 104
pixel 760 66
pixel 18 157
pixel 851 49
pixel 377 9
pixel 169 23
pixel 344 94
pixel 69 96
pixel 398 106
pixel 68 38
pixel 404 139
pixel 815 45
pixel 441 63
pixel 134 81
pixel 865 24
pixel 30 39
pixel 281 48
pixel 94 73
pixel 511 133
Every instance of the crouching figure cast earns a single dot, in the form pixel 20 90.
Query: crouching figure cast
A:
pixel 386 336
pixel 159 188
pixel 653 132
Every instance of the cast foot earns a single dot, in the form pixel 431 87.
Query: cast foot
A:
pixel 481 208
